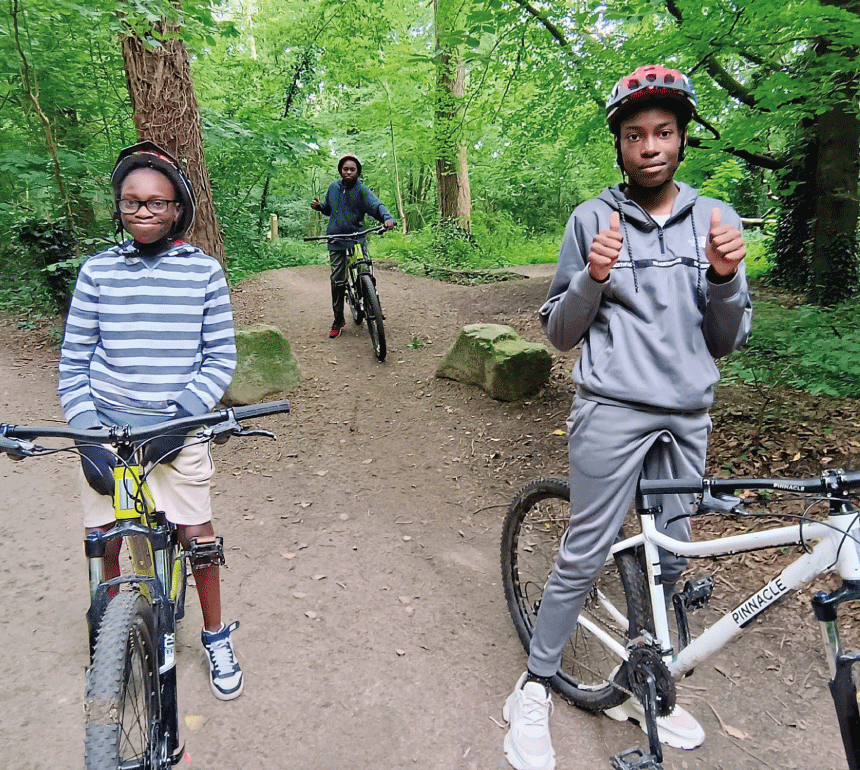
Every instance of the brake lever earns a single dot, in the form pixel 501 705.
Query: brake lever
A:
pixel 720 502
pixel 15 449
pixel 255 432
pixel 221 433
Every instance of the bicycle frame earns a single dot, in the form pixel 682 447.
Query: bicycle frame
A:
pixel 832 545
pixel 358 264
pixel 826 555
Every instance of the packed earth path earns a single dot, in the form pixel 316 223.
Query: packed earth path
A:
pixel 363 560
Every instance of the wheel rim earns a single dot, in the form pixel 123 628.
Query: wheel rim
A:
pixel 586 662
pixel 135 707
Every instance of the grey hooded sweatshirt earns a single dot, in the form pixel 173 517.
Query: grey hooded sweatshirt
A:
pixel 652 330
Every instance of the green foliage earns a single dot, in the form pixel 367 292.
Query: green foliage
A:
pixel 287 87
pixel 806 347
pixel 268 256
pixel 39 265
pixel 758 263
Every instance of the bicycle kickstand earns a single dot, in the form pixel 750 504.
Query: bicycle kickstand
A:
pixel 637 759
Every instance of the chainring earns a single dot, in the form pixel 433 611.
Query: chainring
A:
pixel 644 659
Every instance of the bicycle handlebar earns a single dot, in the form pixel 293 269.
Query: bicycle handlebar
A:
pixel 11 436
pixel 829 481
pixel 379 229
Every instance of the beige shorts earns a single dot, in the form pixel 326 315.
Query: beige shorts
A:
pixel 180 489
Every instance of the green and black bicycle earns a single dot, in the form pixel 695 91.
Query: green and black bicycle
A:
pixel 130 707
pixel 361 293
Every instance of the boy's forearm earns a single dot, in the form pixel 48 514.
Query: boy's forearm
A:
pixel 728 318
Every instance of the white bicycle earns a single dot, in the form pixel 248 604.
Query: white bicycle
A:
pixel 622 647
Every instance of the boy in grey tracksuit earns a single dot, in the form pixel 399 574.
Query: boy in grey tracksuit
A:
pixel 651 279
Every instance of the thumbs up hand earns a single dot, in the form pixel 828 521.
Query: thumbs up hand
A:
pixel 605 249
pixel 725 248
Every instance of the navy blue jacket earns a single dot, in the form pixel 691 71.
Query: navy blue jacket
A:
pixel 346 206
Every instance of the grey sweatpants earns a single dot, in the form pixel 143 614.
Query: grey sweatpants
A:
pixel 609 446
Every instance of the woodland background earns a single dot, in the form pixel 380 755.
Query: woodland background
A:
pixel 480 124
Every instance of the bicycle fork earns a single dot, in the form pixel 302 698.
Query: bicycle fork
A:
pixel 844 667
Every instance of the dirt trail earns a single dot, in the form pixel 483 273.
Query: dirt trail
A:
pixel 363 564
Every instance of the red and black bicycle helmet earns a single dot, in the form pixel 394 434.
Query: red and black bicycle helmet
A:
pixel 653 82
pixel 345 158
pixel 149 155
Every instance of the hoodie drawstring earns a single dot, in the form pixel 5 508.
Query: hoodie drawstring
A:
pixel 699 292
pixel 627 243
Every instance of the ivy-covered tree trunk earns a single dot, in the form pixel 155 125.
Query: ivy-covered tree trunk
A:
pixel 791 239
pixel 166 112
pixel 452 175
pixel 833 242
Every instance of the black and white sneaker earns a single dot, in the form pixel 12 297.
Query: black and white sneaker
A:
pixel 225 674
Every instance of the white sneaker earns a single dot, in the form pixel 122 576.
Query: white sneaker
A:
pixel 527 744
pixel 680 730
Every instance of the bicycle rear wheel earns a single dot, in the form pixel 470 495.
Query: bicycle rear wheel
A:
pixel 616 610
pixel 373 311
pixel 122 703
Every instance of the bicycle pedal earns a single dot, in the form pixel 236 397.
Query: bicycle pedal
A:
pixel 635 759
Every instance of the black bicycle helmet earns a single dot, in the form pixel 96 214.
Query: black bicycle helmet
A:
pixel 653 82
pixel 149 155
pixel 345 158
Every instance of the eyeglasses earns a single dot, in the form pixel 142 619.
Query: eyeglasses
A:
pixel 155 206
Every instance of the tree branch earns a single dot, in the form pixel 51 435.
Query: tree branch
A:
pixel 718 73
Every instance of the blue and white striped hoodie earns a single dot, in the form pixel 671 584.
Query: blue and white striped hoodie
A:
pixel 652 330
pixel 146 334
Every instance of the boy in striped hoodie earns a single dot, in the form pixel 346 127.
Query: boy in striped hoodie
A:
pixel 149 337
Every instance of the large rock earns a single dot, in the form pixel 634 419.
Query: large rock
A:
pixel 498 360
pixel 264 365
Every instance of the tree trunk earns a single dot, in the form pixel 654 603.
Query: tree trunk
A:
pixel 166 112
pixel 833 246
pixel 452 175
pixel 836 171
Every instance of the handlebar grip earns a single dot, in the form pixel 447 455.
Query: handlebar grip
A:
pixel 260 410
pixel 670 486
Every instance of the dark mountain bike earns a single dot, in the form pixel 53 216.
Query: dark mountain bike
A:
pixel 130 707
pixel 361 293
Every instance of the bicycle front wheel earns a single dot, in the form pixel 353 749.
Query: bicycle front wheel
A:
pixel 122 699
pixel 354 303
pixel 373 311
pixel 616 610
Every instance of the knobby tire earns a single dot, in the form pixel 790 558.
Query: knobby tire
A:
pixel 534 526
pixel 122 704
pixel 373 312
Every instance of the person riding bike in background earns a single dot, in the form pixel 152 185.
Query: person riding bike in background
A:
pixel 346 203
pixel 149 337
pixel 651 279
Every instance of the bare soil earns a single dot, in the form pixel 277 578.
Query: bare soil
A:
pixel 363 558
